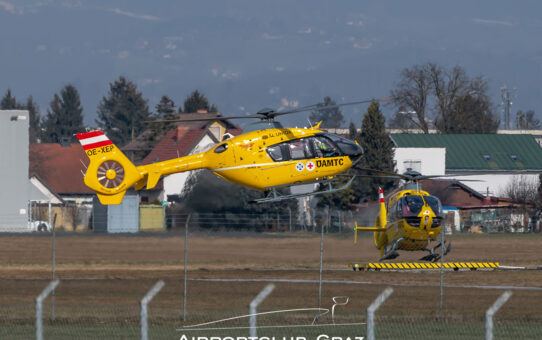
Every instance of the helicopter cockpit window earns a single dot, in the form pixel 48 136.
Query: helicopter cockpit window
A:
pixel 275 153
pixel 395 211
pixel 435 204
pixel 346 146
pixel 221 148
pixel 412 205
pixel 324 148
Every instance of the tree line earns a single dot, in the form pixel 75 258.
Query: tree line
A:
pixel 121 113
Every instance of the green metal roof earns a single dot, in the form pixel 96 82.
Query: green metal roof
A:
pixel 479 151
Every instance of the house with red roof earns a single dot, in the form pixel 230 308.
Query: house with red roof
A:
pixel 477 212
pixel 60 168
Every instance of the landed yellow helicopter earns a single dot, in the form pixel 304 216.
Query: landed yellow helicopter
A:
pixel 265 158
pixel 410 220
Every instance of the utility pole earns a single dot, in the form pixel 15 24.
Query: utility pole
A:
pixel 506 103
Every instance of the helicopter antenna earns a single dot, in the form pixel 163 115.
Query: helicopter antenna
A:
pixel 80 160
pixel 310 124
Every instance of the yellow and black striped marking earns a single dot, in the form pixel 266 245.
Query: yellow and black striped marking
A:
pixel 401 266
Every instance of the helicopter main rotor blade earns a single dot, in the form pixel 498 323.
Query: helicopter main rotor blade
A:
pixel 451 175
pixel 320 106
pixel 369 176
pixel 381 173
pixel 205 119
pixel 270 114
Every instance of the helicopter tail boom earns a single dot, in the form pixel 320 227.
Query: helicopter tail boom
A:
pixel 380 223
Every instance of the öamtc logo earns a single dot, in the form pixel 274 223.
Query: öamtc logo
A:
pixel 329 162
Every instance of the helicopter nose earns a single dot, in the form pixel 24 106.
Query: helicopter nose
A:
pixel 355 153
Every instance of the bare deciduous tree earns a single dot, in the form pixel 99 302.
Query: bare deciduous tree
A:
pixel 527 120
pixel 410 95
pixel 522 189
pixel 461 104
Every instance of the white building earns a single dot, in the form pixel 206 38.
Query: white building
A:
pixel 493 161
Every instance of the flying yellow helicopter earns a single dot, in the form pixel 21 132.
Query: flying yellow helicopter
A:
pixel 266 157
pixel 412 220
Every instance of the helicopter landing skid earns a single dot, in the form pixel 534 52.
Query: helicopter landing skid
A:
pixel 274 196
pixel 433 256
pixel 391 253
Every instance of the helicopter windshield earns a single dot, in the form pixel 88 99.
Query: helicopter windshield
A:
pixel 412 205
pixel 346 146
pixel 434 203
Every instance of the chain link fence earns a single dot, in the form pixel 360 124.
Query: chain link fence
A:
pixel 110 309
pixel 103 278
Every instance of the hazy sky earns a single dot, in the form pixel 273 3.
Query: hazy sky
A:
pixel 245 55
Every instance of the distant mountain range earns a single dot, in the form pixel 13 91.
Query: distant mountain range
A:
pixel 245 55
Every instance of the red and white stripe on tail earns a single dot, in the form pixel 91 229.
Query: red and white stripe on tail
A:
pixel 93 139
pixel 382 215
pixel 381 195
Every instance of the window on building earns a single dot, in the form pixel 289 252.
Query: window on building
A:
pixel 413 165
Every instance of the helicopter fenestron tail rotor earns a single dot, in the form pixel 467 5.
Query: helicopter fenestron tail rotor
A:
pixel 110 174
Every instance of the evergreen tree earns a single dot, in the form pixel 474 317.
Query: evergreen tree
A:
pixel 166 108
pixel 121 114
pixel 64 115
pixel 197 101
pixel 377 152
pixel 165 111
pixel 328 113
pixel 353 132
pixel 34 120
pixel 9 102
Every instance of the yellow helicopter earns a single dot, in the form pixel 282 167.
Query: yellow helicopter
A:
pixel 410 220
pixel 265 158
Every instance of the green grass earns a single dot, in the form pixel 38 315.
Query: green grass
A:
pixel 406 329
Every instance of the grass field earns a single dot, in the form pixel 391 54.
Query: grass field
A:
pixel 104 277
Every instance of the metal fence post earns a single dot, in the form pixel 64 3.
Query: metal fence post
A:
pixel 53 260
pixel 39 301
pixel 254 304
pixel 290 218
pixel 185 266
pixel 144 302
pixel 321 266
pixel 492 310
pixel 371 312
